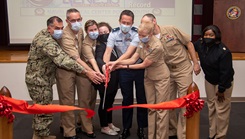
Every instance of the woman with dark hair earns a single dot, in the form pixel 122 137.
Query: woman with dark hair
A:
pixel 107 126
pixel 216 62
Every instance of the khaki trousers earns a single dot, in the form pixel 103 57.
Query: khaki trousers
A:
pixel 157 92
pixel 180 80
pixel 219 113
pixel 67 84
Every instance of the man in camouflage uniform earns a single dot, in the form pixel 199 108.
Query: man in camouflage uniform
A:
pixel 44 56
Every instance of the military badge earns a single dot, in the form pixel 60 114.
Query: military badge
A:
pixel 233 12
pixel 168 38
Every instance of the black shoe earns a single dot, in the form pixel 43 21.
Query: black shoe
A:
pixel 61 129
pixel 79 124
pixel 173 137
pixel 73 137
pixel 141 133
pixel 212 137
pixel 92 135
pixel 125 133
pixel 78 130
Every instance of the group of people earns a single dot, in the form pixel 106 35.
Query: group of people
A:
pixel 152 58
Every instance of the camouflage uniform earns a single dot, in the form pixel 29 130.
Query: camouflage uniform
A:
pixel 44 56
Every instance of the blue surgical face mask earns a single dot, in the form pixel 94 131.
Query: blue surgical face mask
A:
pixel 93 35
pixel 125 28
pixel 145 39
pixel 57 34
pixel 76 26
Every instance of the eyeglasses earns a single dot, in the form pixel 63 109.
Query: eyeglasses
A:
pixel 75 20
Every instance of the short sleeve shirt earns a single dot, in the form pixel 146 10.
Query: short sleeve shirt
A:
pixel 153 50
pixel 174 42
pixel 122 41
pixel 71 43
pixel 88 46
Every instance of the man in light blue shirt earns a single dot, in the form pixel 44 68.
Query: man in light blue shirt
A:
pixel 122 41
pixel 125 40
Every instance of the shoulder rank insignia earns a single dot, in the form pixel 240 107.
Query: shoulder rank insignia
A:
pixel 115 29
pixel 134 29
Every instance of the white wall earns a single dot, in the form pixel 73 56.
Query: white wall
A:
pixel 12 75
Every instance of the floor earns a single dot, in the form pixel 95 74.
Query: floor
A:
pixel 22 125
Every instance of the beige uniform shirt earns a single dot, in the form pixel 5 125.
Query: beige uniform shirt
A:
pixel 154 52
pixel 174 41
pixel 72 43
pixel 88 49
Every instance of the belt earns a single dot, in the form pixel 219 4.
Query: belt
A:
pixel 175 66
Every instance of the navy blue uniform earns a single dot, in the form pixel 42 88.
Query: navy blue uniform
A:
pixel 120 42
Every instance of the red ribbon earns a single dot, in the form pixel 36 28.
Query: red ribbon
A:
pixel 21 106
pixel 6 111
pixel 190 101
pixel 193 106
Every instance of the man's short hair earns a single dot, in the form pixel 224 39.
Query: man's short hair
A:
pixel 51 20
pixel 72 10
pixel 128 13
pixel 150 15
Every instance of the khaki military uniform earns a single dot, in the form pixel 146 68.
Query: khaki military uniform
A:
pixel 219 113
pixel 68 82
pixel 177 59
pixel 43 58
pixel 156 84
pixel 88 48
pixel 89 97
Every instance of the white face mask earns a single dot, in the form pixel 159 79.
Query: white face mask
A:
pixel 93 35
pixel 57 34
pixel 125 28
pixel 145 39
pixel 76 26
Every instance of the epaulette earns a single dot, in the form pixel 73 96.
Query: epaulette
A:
pixel 134 29
pixel 115 29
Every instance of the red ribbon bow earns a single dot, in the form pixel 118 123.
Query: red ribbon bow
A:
pixel 193 105
pixel 6 111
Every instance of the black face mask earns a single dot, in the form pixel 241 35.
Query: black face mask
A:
pixel 103 37
pixel 209 41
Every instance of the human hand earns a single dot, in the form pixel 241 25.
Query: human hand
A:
pixel 120 67
pixel 112 65
pixel 101 75
pixel 95 77
pixel 196 68
pixel 221 97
